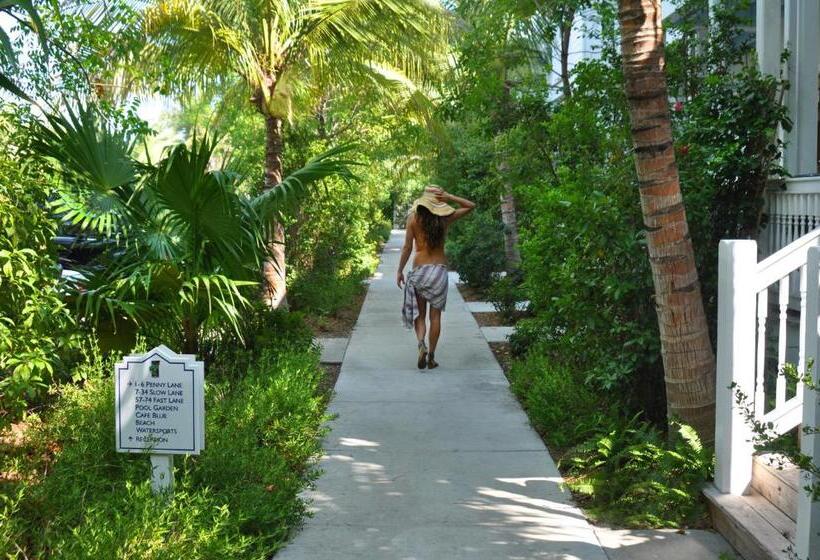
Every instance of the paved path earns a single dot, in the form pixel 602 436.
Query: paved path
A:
pixel 436 464
pixel 443 464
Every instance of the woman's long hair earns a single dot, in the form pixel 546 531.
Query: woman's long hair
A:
pixel 434 227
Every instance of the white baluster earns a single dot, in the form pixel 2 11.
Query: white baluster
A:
pixel 815 198
pixel 783 300
pixel 800 213
pixel 801 357
pixel 762 312
pixel 787 220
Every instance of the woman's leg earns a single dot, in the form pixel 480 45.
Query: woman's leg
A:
pixel 421 320
pixel 435 327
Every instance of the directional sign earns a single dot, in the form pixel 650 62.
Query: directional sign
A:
pixel 160 405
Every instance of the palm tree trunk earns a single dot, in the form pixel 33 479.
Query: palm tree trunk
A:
pixel 510 221
pixel 273 270
pixel 566 35
pixel 508 216
pixel 190 336
pixel 688 359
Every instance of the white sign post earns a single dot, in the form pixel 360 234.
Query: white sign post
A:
pixel 160 409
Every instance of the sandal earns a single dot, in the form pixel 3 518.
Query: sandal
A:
pixel 431 363
pixel 422 363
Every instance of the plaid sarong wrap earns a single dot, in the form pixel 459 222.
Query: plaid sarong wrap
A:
pixel 428 281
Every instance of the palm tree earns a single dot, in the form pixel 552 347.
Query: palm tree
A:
pixel 183 242
pixel 688 359
pixel 286 50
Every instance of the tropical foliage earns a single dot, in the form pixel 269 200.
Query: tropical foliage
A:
pixel 71 495
pixel 36 325
pixel 160 237
pixel 182 241
pixel 591 326
pixel 299 54
pixel 10 8
pixel 312 123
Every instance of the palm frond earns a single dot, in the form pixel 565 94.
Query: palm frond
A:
pixel 332 162
pixel 27 6
pixel 410 35
pixel 205 40
pixel 217 291
pixel 101 213
pixel 124 288
pixel 7 84
pixel 86 147
pixel 201 204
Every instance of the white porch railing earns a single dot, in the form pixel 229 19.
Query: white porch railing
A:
pixel 754 318
pixel 792 212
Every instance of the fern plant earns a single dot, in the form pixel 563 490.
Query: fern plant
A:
pixel 184 245
pixel 634 476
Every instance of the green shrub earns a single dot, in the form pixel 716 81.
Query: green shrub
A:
pixel 477 251
pixel 632 476
pixel 238 499
pixel 553 395
pixel 231 355
pixel 278 329
pixel 586 271
pixel 505 293
pixel 587 277
pixel 36 328
pixel 325 292
pixel 332 241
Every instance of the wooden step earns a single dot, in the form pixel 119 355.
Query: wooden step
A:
pixel 777 480
pixel 752 525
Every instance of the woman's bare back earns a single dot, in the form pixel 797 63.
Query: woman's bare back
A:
pixel 423 253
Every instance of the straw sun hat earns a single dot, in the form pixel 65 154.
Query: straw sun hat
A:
pixel 429 201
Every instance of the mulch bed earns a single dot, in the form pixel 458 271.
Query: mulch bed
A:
pixel 503 354
pixel 471 294
pixel 490 319
pixel 340 324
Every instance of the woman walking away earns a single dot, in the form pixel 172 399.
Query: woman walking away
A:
pixel 427 282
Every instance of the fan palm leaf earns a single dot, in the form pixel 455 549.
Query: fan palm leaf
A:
pixel 94 159
pixel 188 244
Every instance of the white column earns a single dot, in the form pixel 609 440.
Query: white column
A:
pixel 769 35
pixel 735 364
pixel 800 33
pixel 808 511
pixel 713 5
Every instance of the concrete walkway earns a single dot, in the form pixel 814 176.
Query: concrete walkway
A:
pixel 435 464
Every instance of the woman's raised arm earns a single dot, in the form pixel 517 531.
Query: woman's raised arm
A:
pixel 465 206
